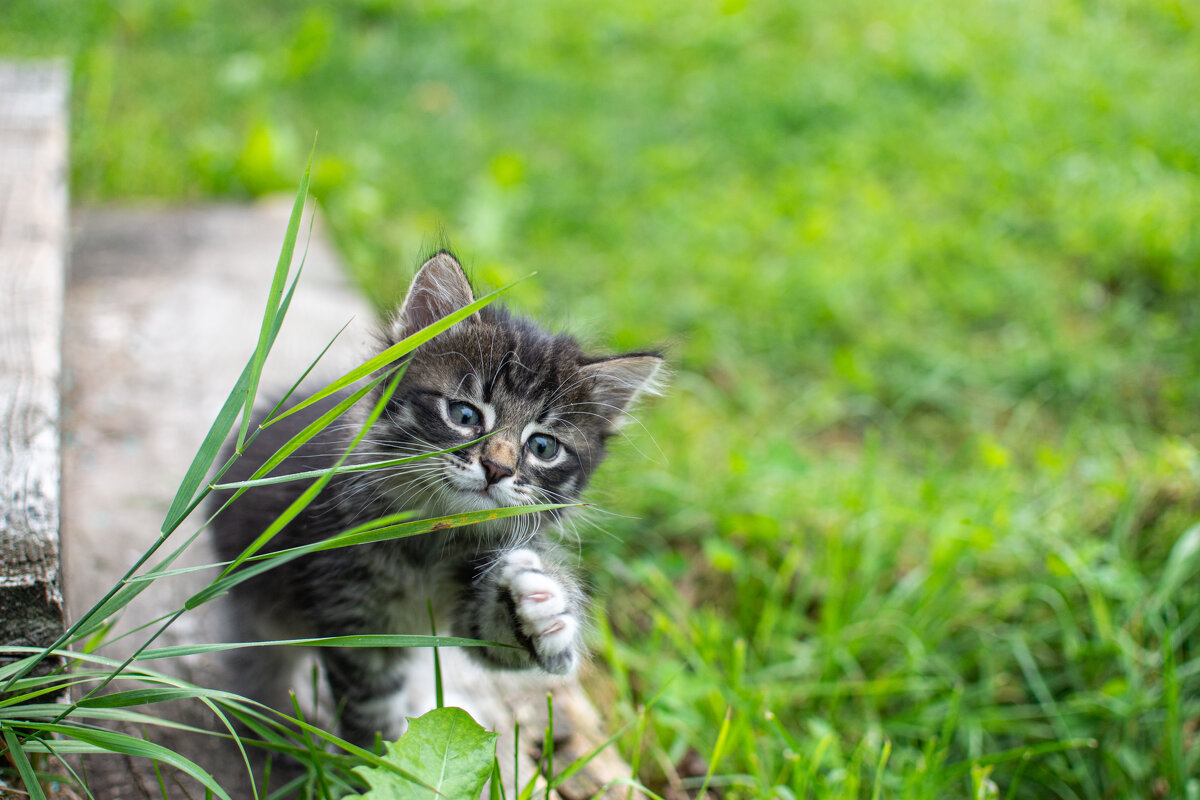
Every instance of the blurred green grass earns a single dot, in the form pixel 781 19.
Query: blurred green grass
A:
pixel 930 278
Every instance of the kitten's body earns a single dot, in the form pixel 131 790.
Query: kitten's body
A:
pixel 549 409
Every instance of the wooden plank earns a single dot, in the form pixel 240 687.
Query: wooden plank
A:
pixel 33 222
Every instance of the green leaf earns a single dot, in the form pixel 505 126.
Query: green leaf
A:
pixel 446 749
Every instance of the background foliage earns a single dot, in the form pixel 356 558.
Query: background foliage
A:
pixel 920 507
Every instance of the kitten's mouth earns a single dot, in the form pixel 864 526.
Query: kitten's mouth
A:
pixel 493 496
pixel 486 495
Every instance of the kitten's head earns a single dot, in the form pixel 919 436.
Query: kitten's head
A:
pixel 548 406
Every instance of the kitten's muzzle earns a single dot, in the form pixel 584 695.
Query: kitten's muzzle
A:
pixel 499 460
pixel 495 471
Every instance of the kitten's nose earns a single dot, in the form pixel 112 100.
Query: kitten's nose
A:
pixel 495 472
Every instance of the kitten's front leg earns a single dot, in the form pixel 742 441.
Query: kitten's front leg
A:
pixel 529 601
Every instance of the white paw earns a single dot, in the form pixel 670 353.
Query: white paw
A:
pixel 543 610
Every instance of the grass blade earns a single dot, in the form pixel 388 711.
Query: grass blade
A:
pixel 396 351
pixel 439 694
pixel 21 759
pixel 371 534
pixel 347 468
pixel 135 585
pixel 185 498
pixel 877 789
pixel 114 742
pixel 363 534
pixel 358 640
pixel 273 298
pixel 312 429
pixel 310 493
pixel 718 751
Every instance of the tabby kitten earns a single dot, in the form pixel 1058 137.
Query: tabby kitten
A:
pixel 550 409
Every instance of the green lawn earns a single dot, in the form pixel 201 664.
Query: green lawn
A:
pixel 921 509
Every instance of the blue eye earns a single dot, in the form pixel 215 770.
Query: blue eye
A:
pixel 543 446
pixel 464 414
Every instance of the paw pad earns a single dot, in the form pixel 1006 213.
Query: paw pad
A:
pixel 543 610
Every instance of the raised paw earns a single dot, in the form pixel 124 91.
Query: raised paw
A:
pixel 544 612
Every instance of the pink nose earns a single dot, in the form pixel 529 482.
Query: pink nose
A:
pixel 495 472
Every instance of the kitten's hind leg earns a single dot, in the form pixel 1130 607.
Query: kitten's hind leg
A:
pixel 263 672
pixel 366 683
pixel 529 601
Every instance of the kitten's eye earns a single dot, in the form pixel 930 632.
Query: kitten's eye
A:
pixel 543 446
pixel 466 415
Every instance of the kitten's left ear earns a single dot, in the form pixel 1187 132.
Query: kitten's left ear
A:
pixel 439 289
pixel 618 382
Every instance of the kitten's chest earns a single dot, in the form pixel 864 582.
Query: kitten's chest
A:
pixel 404 594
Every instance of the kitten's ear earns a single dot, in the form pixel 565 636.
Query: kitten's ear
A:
pixel 439 288
pixel 616 383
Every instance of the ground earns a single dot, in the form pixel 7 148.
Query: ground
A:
pixel 919 508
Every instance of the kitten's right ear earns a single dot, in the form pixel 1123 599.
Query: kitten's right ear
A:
pixel 439 289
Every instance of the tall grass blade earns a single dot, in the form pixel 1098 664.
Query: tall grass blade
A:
pixel 310 746
pixel 310 493
pixel 185 498
pixel 274 296
pixel 367 535
pixel 347 468
pixel 396 351
pixel 548 742
pixel 18 757
pixel 359 640
pixel 162 786
pixel 79 782
pixel 363 534
pixel 309 431
pixel 583 761
pixel 718 751
pixel 877 789
pixel 114 742
pixel 360 535
pixel 1173 729
pixel 1182 566
pixel 437 660
pixel 952 771
pixel 495 784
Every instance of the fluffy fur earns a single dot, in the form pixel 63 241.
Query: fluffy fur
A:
pixel 550 409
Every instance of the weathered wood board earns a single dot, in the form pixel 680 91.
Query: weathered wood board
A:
pixel 162 310
pixel 33 220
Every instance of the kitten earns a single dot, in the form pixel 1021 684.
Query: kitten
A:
pixel 550 408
